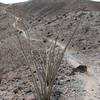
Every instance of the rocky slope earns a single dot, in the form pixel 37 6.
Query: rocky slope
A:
pixel 43 21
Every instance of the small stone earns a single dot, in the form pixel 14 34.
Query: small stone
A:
pixel 44 40
pixel 28 91
pixel 68 81
pixel 80 68
pixel 15 91
pixel 34 72
pixel 62 39
pixel 84 48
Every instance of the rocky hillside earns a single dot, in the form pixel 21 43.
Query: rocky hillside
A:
pixel 43 21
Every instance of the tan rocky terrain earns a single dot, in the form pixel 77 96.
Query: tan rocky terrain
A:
pixel 43 21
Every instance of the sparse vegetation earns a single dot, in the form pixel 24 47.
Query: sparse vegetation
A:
pixel 46 64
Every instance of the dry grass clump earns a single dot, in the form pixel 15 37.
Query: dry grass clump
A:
pixel 46 64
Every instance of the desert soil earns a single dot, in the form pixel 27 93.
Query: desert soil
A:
pixel 15 77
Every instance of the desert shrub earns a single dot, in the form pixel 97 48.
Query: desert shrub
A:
pixel 46 64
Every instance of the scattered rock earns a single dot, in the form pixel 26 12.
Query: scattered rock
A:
pixel 80 68
pixel 15 91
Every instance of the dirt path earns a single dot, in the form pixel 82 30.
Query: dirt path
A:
pixel 91 78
